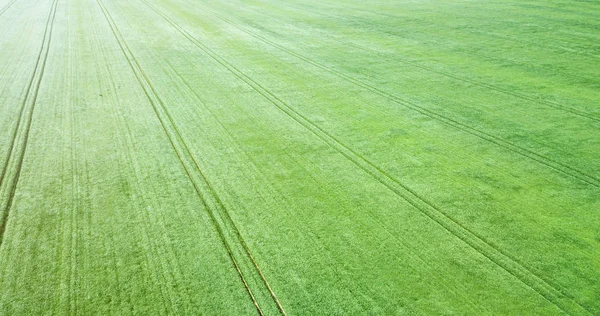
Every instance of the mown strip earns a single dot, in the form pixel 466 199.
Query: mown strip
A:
pixel 9 177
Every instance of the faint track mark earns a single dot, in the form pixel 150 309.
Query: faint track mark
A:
pixel 434 42
pixel 548 162
pixel 6 7
pixel 254 166
pixel 190 164
pixel 537 44
pixel 552 293
pixel 521 96
pixel 16 151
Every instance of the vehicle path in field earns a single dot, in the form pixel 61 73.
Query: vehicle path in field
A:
pixel 152 235
pixel 528 68
pixel 192 90
pixel 103 201
pixel 23 34
pixel 333 11
pixel 376 10
pixel 219 214
pixel 274 197
pixel 264 92
pixel 548 139
pixel 164 83
pixel 407 60
pixel 248 78
pixel 540 158
pixel 7 6
pixel 171 171
pixel 9 175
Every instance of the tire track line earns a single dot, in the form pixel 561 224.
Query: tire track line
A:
pixel 199 180
pixel 6 7
pixel 518 95
pixel 541 159
pixel 538 44
pixel 280 199
pixel 552 293
pixel 152 237
pixel 68 183
pixel 124 300
pixel 435 43
pixel 16 151
pixel 220 203
pixel 551 48
pixel 75 196
pixel 159 274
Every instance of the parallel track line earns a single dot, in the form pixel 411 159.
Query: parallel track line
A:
pixel 435 42
pixel 6 7
pixel 254 166
pixel 505 261
pixel 264 279
pixel 11 171
pixel 492 87
pixel 539 158
pixel 189 162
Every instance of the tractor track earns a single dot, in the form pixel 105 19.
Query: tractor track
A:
pixel 11 171
pixel 551 292
pixel 541 159
pixel 217 211
pixel 537 44
pixel 254 166
pixel 6 7
pixel 492 87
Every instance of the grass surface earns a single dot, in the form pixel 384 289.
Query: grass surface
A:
pixel 301 157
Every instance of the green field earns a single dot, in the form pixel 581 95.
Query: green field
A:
pixel 301 157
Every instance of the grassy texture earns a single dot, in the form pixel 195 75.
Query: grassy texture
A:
pixel 306 157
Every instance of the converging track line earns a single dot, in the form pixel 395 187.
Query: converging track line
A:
pixel 507 262
pixel 207 194
pixel 546 161
pixel 11 171
pixel 488 86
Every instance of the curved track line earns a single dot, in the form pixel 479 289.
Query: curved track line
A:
pixel 552 293
pixel 548 162
pixel 11 171
pixel 190 164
